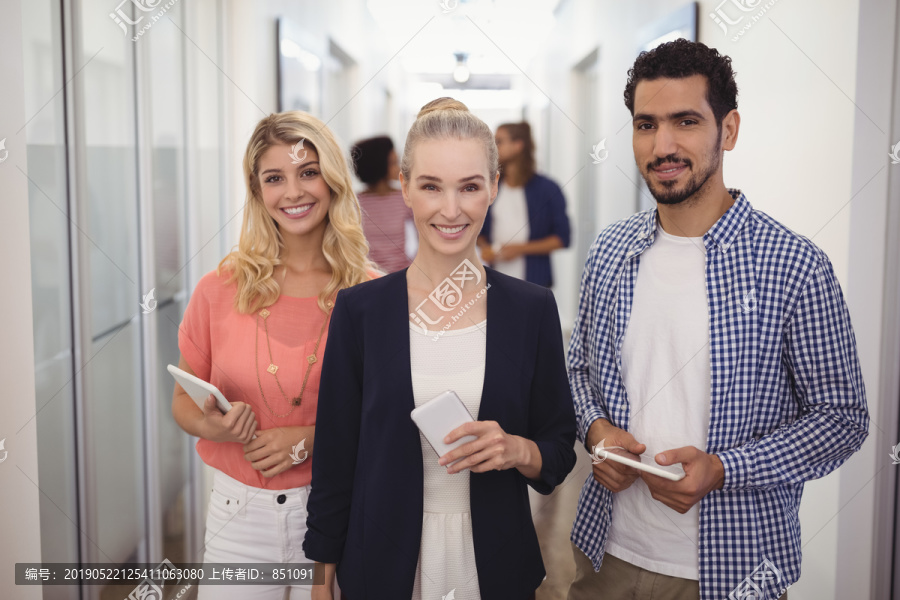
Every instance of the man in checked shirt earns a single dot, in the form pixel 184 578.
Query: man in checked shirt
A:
pixel 710 335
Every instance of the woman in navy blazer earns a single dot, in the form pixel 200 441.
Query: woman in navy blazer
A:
pixel 367 502
pixel 548 225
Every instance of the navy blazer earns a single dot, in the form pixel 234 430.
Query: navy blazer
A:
pixel 365 507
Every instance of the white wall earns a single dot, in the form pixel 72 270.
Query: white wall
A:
pixel 867 484
pixel 19 494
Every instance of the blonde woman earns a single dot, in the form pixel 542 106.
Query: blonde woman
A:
pixel 256 328
pixel 392 518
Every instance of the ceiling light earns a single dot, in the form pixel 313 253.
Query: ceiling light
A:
pixel 461 70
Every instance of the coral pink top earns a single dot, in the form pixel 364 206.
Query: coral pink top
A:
pixel 218 344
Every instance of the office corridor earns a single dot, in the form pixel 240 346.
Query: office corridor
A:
pixel 124 131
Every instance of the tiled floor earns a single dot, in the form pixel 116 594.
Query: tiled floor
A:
pixel 553 517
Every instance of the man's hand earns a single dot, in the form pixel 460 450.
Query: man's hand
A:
pixel 612 475
pixel 703 474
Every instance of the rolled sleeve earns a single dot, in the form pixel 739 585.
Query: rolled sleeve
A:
pixel 561 226
pixel 736 469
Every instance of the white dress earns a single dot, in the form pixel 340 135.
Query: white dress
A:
pixel 453 361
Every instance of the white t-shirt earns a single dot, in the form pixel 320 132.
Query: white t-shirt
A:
pixel 665 367
pixel 509 224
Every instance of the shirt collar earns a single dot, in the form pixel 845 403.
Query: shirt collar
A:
pixel 725 231
pixel 722 234
pixel 646 234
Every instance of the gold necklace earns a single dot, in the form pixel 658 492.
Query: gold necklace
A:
pixel 273 368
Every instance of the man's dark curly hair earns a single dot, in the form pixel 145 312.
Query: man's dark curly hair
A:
pixel 370 158
pixel 683 58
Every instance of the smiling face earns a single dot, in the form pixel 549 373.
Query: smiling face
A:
pixel 677 145
pixel 449 190
pixel 295 195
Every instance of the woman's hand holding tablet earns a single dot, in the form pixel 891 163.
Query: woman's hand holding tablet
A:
pixel 198 389
pixel 222 421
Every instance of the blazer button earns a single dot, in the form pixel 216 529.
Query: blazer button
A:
pixel 281 499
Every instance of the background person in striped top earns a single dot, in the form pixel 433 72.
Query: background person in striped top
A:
pixel 383 211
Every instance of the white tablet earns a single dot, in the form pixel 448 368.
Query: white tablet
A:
pixel 642 463
pixel 198 389
pixel 438 417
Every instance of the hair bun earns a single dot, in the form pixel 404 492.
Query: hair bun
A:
pixel 444 103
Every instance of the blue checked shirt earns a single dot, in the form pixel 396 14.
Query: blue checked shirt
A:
pixel 787 399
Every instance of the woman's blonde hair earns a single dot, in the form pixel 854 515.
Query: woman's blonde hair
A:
pixel 259 249
pixel 446 118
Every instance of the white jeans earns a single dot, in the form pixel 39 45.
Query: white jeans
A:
pixel 249 525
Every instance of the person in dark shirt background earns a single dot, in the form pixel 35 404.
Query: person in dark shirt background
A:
pixel 528 220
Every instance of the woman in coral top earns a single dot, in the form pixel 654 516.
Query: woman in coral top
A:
pixel 256 328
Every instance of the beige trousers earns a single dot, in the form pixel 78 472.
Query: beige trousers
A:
pixel 619 580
